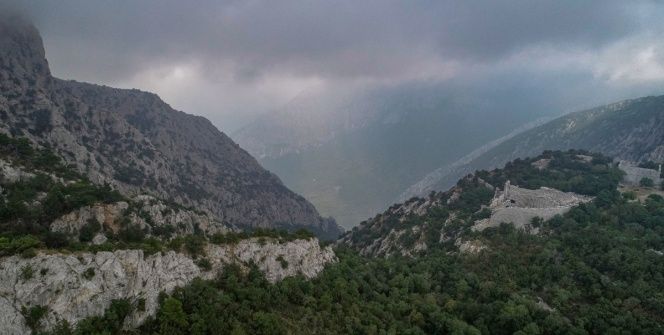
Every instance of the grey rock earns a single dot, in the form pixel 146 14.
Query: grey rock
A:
pixel 139 144
pixel 63 284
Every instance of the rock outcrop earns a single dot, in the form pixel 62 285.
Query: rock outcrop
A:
pixel 76 286
pixel 148 213
pixel 139 144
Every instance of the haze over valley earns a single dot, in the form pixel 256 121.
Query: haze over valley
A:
pixel 292 167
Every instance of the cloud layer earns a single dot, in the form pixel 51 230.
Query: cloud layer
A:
pixel 229 60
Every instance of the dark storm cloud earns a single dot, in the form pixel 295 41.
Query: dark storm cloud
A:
pixel 230 59
pixel 329 38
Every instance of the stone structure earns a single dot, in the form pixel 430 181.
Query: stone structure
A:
pixel 519 206
pixel 634 174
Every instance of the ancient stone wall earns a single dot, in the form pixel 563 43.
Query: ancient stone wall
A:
pixel 634 174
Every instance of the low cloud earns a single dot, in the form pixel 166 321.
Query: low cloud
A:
pixel 231 60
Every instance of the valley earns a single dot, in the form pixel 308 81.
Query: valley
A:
pixel 421 169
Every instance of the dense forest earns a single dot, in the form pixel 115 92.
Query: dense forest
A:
pixel 598 269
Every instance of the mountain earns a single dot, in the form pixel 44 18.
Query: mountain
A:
pixel 544 186
pixel 353 153
pixel 138 144
pixel 580 258
pixel 631 130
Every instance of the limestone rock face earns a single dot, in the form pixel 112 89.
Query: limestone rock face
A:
pixel 139 144
pixel 10 173
pixel 147 213
pixel 76 286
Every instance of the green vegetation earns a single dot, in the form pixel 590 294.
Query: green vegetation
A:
pixel 280 235
pixel 282 262
pixel 30 204
pixel 590 273
pixel 646 182
pixel 567 171
pixel 570 171
pixel 89 273
pixel 27 273
pixel 33 316
pixel 110 323
pixel 596 270
pixel 89 230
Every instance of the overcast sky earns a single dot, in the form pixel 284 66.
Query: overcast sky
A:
pixel 231 60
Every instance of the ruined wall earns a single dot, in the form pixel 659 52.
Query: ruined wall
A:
pixel 519 205
pixel 634 174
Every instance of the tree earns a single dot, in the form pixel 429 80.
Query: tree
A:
pixel 646 182
pixel 172 319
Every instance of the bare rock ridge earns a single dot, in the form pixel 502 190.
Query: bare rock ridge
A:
pixel 139 144
pixel 76 286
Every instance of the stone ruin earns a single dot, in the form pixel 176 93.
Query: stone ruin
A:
pixel 519 206
pixel 634 174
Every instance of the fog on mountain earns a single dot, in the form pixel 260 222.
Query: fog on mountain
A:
pixel 337 167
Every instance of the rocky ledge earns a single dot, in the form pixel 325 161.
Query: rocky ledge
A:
pixel 75 286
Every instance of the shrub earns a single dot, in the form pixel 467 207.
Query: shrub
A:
pixel 89 273
pixel 27 272
pixel 282 261
pixel 55 240
pixel 18 245
pixel 132 234
pixel 629 195
pixel 195 245
pixel 110 323
pixel 33 316
pixel 204 264
pixel 140 305
pixel 172 318
pixel 89 230
pixel 29 253
pixel 646 182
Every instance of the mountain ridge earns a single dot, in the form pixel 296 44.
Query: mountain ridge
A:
pixel 631 129
pixel 137 143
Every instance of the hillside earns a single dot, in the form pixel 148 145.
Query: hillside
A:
pixel 69 249
pixel 544 186
pixel 631 130
pixel 595 267
pixel 138 144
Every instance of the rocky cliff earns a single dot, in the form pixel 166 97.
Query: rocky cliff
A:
pixel 139 144
pixel 74 286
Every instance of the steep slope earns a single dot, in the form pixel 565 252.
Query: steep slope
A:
pixel 69 248
pixel 631 130
pixel 595 269
pixel 355 155
pixel 139 144
pixel 541 187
